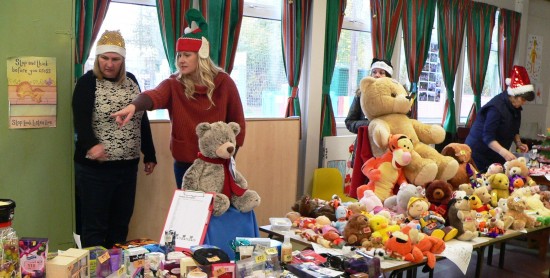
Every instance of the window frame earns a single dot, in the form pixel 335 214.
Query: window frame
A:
pixel 354 26
pixel 263 11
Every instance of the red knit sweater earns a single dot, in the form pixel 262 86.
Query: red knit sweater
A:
pixel 186 114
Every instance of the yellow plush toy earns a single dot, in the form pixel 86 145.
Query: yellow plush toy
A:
pixel 381 227
pixel 500 187
pixel 386 104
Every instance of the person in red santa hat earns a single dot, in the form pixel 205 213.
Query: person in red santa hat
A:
pixel 199 92
pixel 497 123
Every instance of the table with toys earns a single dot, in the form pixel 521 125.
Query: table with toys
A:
pixel 397 266
pixel 418 225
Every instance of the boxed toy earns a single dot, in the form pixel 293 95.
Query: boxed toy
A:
pixel 134 260
pixel 62 266
pixel 99 261
pixel 74 263
pixel 33 254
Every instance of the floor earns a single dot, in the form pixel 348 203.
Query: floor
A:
pixel 520 261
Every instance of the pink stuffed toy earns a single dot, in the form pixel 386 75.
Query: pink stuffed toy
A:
pixel 374 204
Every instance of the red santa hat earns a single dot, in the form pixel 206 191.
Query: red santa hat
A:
pixel 194 37
pixel 519 83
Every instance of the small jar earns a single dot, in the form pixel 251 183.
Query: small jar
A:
pixel 9 243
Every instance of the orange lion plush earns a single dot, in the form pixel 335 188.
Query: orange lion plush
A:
pixel 386 171
pixel 400 247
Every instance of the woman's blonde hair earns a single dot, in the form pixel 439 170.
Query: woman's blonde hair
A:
pixel 121 77
pixel 206 72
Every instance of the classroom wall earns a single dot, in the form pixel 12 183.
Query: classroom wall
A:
pixel 275 182
pixel 36 164
pixel 537 116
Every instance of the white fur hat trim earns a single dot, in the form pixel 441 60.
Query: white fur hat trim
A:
pixel 100 49
pixel 382 65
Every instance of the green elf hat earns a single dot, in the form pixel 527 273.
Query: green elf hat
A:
pixel 194 38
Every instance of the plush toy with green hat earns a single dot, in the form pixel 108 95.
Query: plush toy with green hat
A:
pixel 194 37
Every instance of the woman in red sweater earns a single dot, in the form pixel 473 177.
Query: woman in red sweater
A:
pixel 199 92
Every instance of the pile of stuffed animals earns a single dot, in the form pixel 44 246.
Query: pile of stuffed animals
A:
pixel 417 198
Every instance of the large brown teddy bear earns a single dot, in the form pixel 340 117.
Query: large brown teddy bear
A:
pixel 466 166
pixel 215 171
pixel 386 103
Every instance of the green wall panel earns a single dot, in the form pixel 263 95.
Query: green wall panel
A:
pixel 36 168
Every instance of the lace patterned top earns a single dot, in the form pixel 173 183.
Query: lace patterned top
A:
pixel 120 143
pixel 93 103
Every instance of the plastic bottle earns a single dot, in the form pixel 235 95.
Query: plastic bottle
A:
pixel 286 250
pixel 9 243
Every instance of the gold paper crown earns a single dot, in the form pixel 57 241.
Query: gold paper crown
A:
pixel 111 41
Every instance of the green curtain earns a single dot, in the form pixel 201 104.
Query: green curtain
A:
pixel 481 21
pixel 509 23
pixel 451 19
pixel 293 30
pixel 334 19
pixel 418 19
pixel 171 16
pixel 385 17
pixel 224 19
pixel 89 16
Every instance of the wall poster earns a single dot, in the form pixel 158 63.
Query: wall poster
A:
pixel 534 57
pixel 32 92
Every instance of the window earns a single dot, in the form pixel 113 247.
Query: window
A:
pixel 258 69
pixel 145 56
pixel 491 86
pixel 353 58
pixel 432 93
pixel 431 88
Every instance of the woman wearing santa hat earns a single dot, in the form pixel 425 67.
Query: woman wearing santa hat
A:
pixel 199 92
pixel 497 123
pixel 106 158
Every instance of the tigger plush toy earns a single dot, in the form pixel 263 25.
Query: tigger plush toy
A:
pixel 387 171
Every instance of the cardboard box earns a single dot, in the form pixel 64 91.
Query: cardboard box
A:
pixel 33 254
pixel 134 259
pixel 73 263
